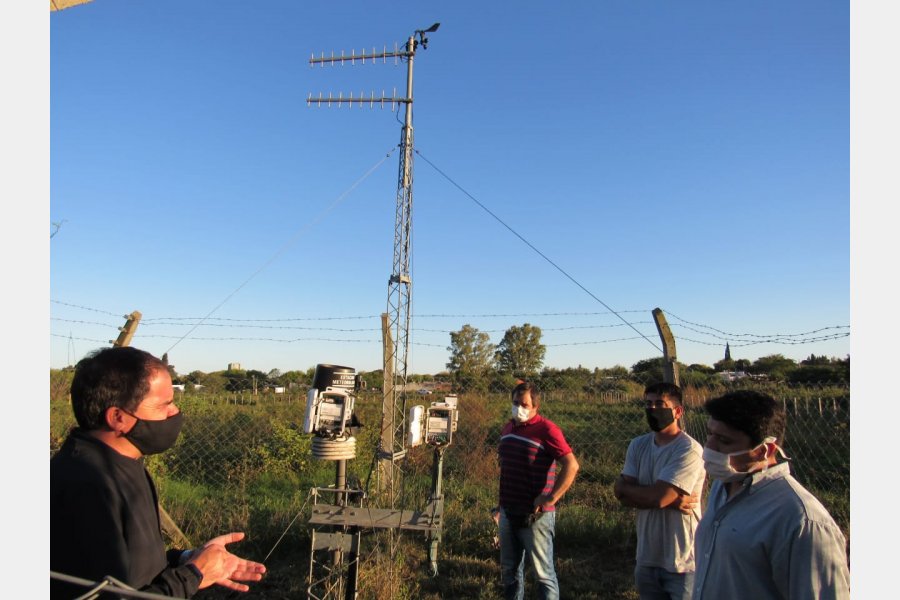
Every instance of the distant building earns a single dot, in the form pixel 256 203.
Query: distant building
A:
pixel 234 366
pixel 733 375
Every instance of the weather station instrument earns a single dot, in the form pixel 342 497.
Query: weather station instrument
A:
pixel 334 559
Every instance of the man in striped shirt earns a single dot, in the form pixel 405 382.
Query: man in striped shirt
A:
pixel 530 448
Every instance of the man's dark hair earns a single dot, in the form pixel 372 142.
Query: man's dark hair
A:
pixel 665 389
pixel 532 388
pixel 756 414
pixel 111 377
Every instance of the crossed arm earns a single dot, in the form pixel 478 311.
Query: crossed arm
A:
pixel 659 494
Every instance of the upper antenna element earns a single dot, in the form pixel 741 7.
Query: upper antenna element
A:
pixel 406 53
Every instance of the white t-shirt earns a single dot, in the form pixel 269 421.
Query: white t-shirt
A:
pixel 665 536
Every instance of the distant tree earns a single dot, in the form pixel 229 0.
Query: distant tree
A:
pixel 502 382
pixel 818 374
pixel 812 359
pixel 294 379
pixel 697 377
pixel 274 375
pixel 648 370
pixel 776 366
pixel 244 380
pixel 726 364
pixel 471 353
pixel 195 377
pixel 844 365
pixel 570 378
pixel 742 364
pixel 257 377
pixel 520 352
pixel 214 382
pixel 552 379
pixel 442 376
pixel 374 380
pixel 613 379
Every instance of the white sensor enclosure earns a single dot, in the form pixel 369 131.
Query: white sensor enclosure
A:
pixel 328 411
pixel 416 422
pixel 441 422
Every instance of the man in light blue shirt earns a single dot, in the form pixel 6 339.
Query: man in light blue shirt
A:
pixel 763 535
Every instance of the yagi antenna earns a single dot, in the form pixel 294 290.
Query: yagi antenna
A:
pixel 405 53
pixel 395 326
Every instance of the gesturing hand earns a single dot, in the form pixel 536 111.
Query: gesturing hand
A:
pixel 219 566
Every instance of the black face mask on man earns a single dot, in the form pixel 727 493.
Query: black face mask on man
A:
pixel 659 418
pixel 153 437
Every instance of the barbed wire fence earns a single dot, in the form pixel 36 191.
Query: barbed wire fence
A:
pixel 242 462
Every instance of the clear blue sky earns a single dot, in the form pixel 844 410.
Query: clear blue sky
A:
pixel 692 156
pixel 178 153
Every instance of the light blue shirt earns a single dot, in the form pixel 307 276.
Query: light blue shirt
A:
pixel 773 539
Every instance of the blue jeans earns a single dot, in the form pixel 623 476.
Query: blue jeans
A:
pixel 535 542
pixel 655 583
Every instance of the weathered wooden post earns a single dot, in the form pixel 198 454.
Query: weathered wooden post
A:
pixel 670 357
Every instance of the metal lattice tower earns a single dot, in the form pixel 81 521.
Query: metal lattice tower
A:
pixel 336 528
pixel 396 322
pixel 399 301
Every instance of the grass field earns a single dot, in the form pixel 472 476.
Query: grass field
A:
pixel 247 467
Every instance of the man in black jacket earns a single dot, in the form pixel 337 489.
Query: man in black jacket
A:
pixel 104 517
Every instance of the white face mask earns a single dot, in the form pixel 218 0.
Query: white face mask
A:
pixel 520 413
pixel 718 464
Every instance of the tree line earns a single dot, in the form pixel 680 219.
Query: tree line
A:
pixel 475 363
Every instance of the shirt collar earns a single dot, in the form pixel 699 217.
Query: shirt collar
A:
pixel 760 479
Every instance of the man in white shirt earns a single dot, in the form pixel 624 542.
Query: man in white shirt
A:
pixel 663 479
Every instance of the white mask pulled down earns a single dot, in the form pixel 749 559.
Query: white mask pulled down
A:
pixel 718 464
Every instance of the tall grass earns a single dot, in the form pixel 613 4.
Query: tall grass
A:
pixel 248 467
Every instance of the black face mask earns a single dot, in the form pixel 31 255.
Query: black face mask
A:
pixel 153 437
pixel 659 418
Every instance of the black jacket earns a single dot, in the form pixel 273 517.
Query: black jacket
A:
pixel 104 521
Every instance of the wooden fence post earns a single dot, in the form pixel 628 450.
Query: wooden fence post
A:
pixel 670 362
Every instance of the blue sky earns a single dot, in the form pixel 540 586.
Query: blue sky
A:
pixel 688 156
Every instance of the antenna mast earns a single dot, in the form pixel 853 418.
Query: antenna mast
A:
pixel 337 528
pixel 399 300
pixel 393 428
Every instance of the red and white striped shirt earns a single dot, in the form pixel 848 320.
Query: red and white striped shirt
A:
pixel 528 454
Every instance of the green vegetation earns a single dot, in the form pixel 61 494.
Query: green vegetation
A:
pixel 242 463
